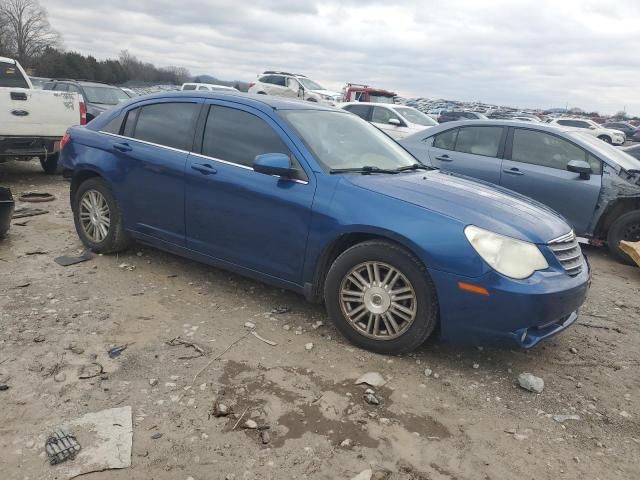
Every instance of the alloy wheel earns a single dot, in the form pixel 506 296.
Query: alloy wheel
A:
pixel 95 217
pixel 378 300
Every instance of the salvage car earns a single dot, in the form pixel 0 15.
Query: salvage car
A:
pixel 98 96
pixel 293 85
pixel 318 201
pixel 594 185
pixel 608 135
pixel 33 121
pixel 397 121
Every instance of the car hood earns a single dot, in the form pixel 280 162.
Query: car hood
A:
pixel 471 202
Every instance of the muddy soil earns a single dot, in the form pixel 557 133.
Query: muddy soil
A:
pixel 467 420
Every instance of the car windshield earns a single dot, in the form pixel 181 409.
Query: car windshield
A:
pixel 104 95
pixel 343 141
pixel 415 116
pixel 605 150
pixel 310 84
pixel 380 98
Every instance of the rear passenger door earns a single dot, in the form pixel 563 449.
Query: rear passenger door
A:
pixel 151 150
pixel 475 151
pixel 535 165
pixel 248 219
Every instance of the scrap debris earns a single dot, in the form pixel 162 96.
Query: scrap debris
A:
pixel 36 197
pixel 90 371
pixel 67 260
pixel 23 212
pixel 116 351
pixel 268 342
pixel 61 446
pixel 632 249
pixel 179 341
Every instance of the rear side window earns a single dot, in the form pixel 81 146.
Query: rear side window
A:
pixel 168 124
pixel 202 87
pixel 61 87
pixel 479 140
pixel 360 110
pixel 189 87
pixel 11 77
pixel 446 140
pixel 114 124
pixel 547 150
pixel 237 136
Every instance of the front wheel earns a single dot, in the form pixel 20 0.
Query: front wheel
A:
pixel 50 163
pixel 605 138
pixel 97 217
pixel 381 298
pixel 625 227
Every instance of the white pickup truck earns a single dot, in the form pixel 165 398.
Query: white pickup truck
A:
pixel 32 122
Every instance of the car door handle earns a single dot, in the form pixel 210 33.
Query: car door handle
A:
pixel 513 171
pixel 444 158
pixel 122 147
pixel 204 168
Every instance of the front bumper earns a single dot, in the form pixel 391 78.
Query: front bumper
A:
pixel 618 141
pixel 516 313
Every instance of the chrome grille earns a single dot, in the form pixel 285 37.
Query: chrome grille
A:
pixel 568 253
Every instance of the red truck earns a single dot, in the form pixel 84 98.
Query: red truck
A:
pixel 353 92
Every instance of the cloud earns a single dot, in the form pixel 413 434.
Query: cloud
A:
pixel 531 53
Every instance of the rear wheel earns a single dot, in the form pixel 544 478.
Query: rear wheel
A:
pixel 605 138
pixel 626 227
pixel 97 217
pixel 381 298
pixel 50 164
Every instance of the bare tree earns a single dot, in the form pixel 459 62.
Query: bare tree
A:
pixel 27 29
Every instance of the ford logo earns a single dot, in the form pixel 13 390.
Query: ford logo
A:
pixel 19 113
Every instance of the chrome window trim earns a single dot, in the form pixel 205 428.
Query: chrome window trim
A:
pixel 245 167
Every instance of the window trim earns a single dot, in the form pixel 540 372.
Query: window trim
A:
pixel 508 151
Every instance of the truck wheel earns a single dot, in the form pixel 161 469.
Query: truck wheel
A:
pixel 381 298
pixel 50 164
pixel 605 138
pixel 626 227
pixel 97 217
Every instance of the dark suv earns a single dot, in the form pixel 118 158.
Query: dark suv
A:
pixel 459 115
pixel 629 130
pixel 97 96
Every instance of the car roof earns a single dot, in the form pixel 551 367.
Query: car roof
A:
pixel 255 100
pixel 544 127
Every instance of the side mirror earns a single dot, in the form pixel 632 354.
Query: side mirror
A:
pixel 581 167
pixel 273 164
pixel 394 121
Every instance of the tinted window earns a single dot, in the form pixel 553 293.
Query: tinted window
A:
pixel 169 124
pixel 10 76
pixel 479 140
pixel 265 79
pixel 383 115
pixel 201 87
pixel 114 125
pixel 61 87
pixel 360 110
pixel 279 80
pixel 237 136
pixel 540 148
pixel 104 95
pixel 446 140
pixel 73 88
pixel 189 87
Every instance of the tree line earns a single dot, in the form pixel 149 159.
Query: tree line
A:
pixel 27 35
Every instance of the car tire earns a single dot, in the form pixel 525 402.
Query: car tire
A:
pixel 93 207
pixel 625 227
pixel 412 329
pixel 50 164
pixel 605 138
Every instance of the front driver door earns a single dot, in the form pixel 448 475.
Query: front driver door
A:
pixel 253 220
pixel 380 117
pixel 537 168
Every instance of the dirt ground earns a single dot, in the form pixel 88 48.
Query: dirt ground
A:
pixel 468 420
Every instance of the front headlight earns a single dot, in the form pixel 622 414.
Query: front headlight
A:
pixel 508 256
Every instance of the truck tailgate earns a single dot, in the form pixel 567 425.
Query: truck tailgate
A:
pixel 39 113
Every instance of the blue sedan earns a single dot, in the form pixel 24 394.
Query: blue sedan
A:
pixel 318 201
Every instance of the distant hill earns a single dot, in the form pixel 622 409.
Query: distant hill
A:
pixel 242 86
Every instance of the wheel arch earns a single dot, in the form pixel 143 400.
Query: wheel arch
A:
pixel 613 212
pixel 78 178
pixel 314 291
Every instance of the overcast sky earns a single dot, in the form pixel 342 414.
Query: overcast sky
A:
pixel 529 53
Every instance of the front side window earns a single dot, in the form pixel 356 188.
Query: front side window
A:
pixel 416 116
pixel 539 148
pixel 310 84
pixel 479 140
pixel 104 95
pixel 383 115
pixel 168 124
pixel 360 110
pixel 446 140
pixel 238 137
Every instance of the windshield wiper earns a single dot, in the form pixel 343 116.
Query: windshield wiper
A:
pixel 415 166
pixel 366 170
